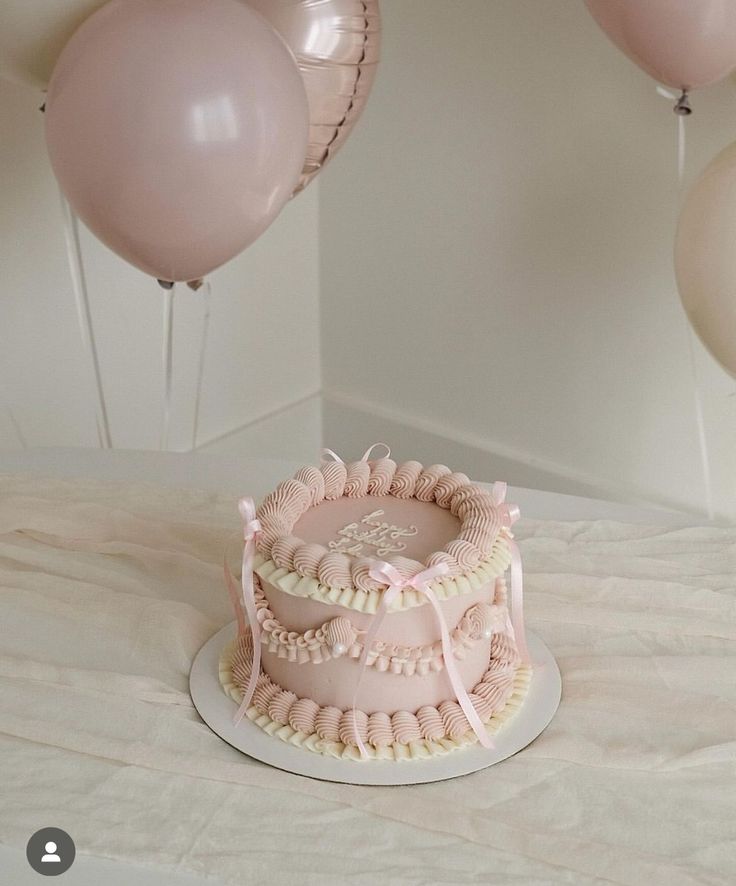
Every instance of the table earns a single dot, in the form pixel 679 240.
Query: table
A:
pixel 111 583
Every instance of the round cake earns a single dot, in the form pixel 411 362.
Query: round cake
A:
pixel 380 609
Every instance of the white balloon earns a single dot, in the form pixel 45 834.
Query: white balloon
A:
pixel 33 33
pixel 705 257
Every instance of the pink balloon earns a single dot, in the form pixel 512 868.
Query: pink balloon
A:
pixel 336 44
pixel 682 43
pixel 177 130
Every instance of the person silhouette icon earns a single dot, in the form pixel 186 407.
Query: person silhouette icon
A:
pixel 51 853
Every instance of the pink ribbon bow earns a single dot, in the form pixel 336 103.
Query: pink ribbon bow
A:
pixel 251 528
pixel 509 515
pixel 388 574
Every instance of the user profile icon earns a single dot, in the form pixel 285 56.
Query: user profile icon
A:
pixel 50 852
pixel 50 855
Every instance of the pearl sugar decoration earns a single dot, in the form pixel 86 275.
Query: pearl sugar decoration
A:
pixel 340 635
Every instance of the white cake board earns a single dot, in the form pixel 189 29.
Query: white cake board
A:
pixel 217 710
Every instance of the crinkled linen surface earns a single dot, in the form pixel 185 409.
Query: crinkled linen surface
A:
pixel 109 590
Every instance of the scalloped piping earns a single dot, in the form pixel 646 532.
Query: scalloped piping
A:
pixel 480 519
pixel 414 750
pixel 275 702
pixel 291 582
pixel 338 637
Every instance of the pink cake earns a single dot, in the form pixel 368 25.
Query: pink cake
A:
pixel 381 611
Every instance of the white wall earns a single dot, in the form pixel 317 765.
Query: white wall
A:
pixel 492 249
pixel 496 273
pixel 263 354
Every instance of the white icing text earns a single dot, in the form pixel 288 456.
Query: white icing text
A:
pixel 384 537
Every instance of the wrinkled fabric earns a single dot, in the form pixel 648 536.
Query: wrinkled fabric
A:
pixel 108 591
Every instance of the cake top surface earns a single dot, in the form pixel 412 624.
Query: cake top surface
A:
pixel 333 522
pixel 379 526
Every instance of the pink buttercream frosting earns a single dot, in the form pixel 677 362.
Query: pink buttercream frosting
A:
pixel 335 474
pixel 343 564
pixel 335 570
pixel 447 486
pixel 280 510
pixel 362 577
pixel 476 503
pixel 429 723
pixel 314 480
pixel 303 715
pixel 493 693
pixel 283 550
pixel 380 732
pixel 481 705
pixel 348 724
pixel 453 567
pixel 308 557
pixel 280 706
pixel 292 497
pixel 356 483
pixel 327 723
pixel 242 659
pixel 481 529
pixel 406 727
pixel 340 635
pixel 465 552
pixel 382 473
pixel 405 479
pixel 453 719
pixel 265 691
pixel 428 479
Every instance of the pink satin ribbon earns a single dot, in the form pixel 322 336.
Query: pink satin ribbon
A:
pixel 331 454
pixel 251 528
pixel 388 574
pixel 509 515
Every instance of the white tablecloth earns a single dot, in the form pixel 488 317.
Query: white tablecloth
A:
pixel 109 590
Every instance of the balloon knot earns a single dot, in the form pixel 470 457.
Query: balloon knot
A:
pixel 682 105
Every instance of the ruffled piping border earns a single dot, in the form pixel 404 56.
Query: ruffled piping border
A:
pixel 291 582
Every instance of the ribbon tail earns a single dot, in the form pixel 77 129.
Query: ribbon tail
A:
pixel 517 602
pixel 461 694
pixel 255 628
pixel 362 663
pixel 234 592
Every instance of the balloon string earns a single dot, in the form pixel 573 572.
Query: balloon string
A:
pixel 680 151
pixel 84 319
pixel 167 364
pixel 200 365
pixel 697 393
pixel 700 420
